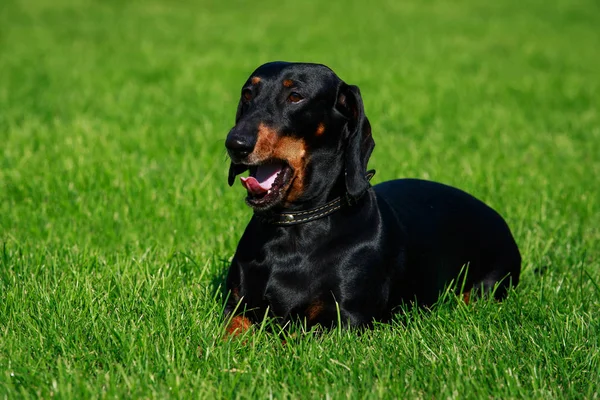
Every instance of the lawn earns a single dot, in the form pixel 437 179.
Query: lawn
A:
pixel 117 223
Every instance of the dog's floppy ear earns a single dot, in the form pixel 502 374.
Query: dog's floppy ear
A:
pixel 359 142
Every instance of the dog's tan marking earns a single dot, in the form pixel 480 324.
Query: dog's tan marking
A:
pixel 266 141
pixel 238 325
pixel 467 297
pixel 293 151
pixel 314 310
pixel 255 80
pixel 235 294
pixel 320 129
pixel 270 144
pixel 288 83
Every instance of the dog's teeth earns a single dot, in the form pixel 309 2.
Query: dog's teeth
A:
pixel 269 191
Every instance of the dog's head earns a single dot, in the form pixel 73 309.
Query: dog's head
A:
pixel 303 134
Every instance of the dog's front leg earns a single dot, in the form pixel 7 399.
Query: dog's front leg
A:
pixel 235 306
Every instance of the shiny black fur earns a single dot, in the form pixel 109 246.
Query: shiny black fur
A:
pixel 401 241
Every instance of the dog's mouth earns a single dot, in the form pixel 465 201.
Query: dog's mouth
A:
pixel 267 184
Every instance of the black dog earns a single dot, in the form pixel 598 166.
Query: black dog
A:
pixel 321 240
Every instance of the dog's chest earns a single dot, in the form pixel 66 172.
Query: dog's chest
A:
pixel 288 277
pixel 289 283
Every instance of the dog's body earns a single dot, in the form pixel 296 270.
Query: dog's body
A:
pixel 322 241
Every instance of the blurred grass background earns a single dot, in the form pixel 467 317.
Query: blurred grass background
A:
pixel 116 222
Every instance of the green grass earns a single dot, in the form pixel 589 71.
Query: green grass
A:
pixel 116 221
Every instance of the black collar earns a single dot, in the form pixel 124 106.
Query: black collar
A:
pixel 300 217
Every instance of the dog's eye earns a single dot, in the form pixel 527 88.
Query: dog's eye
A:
pixel 295 97
pixel 247 94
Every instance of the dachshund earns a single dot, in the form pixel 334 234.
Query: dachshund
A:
pixel 323 245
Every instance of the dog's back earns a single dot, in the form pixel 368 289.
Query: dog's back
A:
pixel 444 230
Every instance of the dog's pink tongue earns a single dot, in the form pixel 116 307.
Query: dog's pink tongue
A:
pixel 263 181
pixel 252 185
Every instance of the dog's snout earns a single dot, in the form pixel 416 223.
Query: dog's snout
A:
pixel 239 146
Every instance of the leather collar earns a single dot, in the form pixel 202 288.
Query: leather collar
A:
pixel 300 217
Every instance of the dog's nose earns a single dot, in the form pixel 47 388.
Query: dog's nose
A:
pixel 238 146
